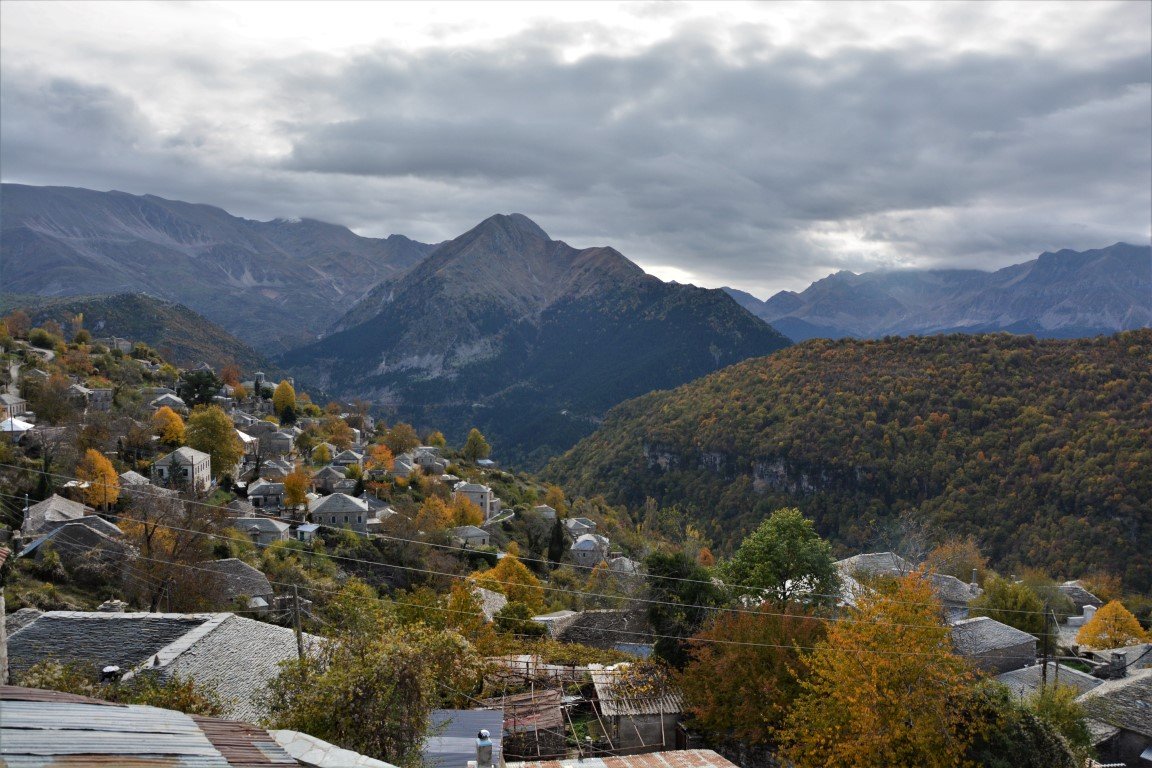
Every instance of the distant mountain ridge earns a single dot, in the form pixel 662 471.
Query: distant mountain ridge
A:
pixel 276 283
pixel 526 337
pixel 1063 294
pixel 183 337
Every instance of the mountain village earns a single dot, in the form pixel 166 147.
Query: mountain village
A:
pixel 132 554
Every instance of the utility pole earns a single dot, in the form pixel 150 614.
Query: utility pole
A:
pixel 296 623
pixel 1044 640
pixel 1057 681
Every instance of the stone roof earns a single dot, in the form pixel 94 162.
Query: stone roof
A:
pixel 491 602
pixel 329 472
pixel 97 639
pixel 876 564
pixel 466 487
pixel 55 509
pixel 467 532
pixel 337 503
pixel 265 524
pixel 238 659
pixel 239 579
pixel 264 487
pixel 589 541
pixel 241 508
pixel 9 399
pixel 21 618
pixel 1125 703
pixel 952 590
pixel 184 455
pixel 982 634
pixel 75 541
pixel 1027 681
pixel 233 655
pixel 604 628
pixel 318 753
pixel 132 477
pixel 1080 596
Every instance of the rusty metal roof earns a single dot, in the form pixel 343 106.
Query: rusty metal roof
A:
pixel 680 758
pixel 615 699
pixel 44 728
pixel 530 711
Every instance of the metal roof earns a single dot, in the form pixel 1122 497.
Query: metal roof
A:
pixel 615 702
pixel 453 742
pixel 680 758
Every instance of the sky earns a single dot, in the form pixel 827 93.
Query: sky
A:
pixel 755 145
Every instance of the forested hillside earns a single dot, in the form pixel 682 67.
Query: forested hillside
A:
pixel 1042 449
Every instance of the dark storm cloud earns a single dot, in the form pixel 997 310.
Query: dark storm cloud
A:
pixel 723 156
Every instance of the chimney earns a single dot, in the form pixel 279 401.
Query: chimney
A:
pixel 110 674
pixel 973 583
pixel 1089 613
pixel 1119 664
pixel 112 606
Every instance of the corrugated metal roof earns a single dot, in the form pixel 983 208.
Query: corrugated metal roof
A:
pixel 242 744
pixel 531 711
pixel 615 702
pixel 680 758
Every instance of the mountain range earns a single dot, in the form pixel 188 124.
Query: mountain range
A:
pixel 1065 294
pixel 526 337
pixel 275 284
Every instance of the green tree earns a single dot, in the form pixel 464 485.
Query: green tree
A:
pixel 682 593
pixel 390 675
pixel 210 430
pixel 1013 734
pixel 784 560
pixel 557 542
pixel 436 438
pixel 476 447
pixel 1010 603
pixel 175 692
pixel 198 387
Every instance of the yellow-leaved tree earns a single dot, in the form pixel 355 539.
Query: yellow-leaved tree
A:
pixel 465 512
pixel 103 482
pixel 169 425
pixel 296 487
pixel 211 431
pixel 1113 626
pixel 884 687
pixel 513 579
pixel 434 515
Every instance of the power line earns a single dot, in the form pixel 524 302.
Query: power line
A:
pixel 649 577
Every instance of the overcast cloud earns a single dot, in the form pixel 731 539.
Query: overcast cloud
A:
pixel 758 146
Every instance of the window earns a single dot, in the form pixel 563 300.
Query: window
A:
pixel 358 519
pixel 333 518
pixel 345 518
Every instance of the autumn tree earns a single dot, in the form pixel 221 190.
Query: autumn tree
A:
pixel 380 457
pixel 296 488
pixel 434 515
pixel 1113 626
pixel 52 401
pixel 783 560
pixel 475 447
pixel 210 430
pixel 884 687
pixel 401 438
pixel 172 537
pixel 513 579
pixel 230 375
pixel 463 511
pixel 390 675
pixel 284 398
pixel 321 455
pixel 435 439
pixel 959 557
pixel 554 497
pixel 103 482
pixel 337 432
pixel 169 425
pixel 745 669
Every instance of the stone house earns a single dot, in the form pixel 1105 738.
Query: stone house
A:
pixel 470 536
pixel 589 549
pixel 265 494
pixel 172 401
pixel 12 406
pixel 545 511
pixel 1119 715
pixel 184 467
pixel 52 512
pixel 345 459
pixel 578 526
pixel 237 580
pixel 262 530
pixel 327 478
pixel 480 495
pixel 993 646
pixel 342 510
